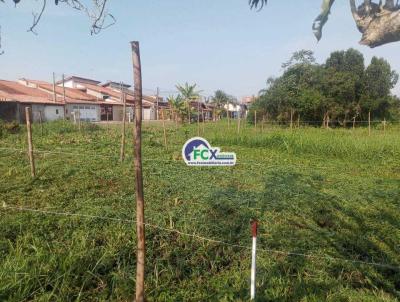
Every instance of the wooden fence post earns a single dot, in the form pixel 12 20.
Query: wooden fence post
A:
pixel 255 120
pixel 30 146
pixel 238 125
pixel 198 118
pixel 369 123
pixel 384 125
pixel 203 117
pixel 122 155
pixel 41 122
pixel 164 129
pixel 140 227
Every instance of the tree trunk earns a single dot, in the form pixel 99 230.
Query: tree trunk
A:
pixel 140 228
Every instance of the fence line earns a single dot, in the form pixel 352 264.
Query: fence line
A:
pixel 203 238
pixel 116 156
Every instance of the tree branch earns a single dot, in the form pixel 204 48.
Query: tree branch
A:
pixel 37 17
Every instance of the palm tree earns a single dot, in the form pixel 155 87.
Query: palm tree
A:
pixel 221 99
pixel 178 107
pixel 189 93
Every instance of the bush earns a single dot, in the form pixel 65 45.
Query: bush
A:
pixel 9 127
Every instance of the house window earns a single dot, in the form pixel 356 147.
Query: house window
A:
pixel 56 111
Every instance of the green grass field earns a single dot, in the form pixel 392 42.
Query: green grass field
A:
pixel 328 200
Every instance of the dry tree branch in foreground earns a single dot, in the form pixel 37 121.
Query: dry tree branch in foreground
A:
pixel 378 22
pixel 97 13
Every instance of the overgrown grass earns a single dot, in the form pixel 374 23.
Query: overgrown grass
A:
pixel 332 194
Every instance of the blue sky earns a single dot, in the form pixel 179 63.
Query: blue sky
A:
pixel 218 44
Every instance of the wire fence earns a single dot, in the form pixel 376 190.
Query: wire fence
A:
pixel 197 237
pixel 203 238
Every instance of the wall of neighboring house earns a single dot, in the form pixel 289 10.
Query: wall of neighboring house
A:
pixel 149 114
pixel 48 112
pixel 37 110
pixel 117 112
pixel 53 113
pixel 87 112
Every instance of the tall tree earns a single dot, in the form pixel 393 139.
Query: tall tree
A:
pixel 379 80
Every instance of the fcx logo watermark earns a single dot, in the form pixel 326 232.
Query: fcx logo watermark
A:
pixel 198 152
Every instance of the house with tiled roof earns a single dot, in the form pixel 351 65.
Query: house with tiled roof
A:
pixel 15 97
pixel 77 103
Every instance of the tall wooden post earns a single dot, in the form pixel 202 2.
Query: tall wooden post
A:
pixel 369 123
pixel 228 115
pixel 64 99
pixel 204 120
pixel 122 155
pixel 41 123
pixel 164 129
pixel 140 228
pixel 198 117
pixel 54 88
pixel 157 107
pixel 354 123
pixel 79 119
pixel 30 146
pixel 291 118
pixel 255 120
pixel 238 125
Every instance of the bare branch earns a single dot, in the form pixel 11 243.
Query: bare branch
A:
pixel 37 17
pixel 100 18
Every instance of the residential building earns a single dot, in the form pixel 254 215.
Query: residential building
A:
pixel 15 97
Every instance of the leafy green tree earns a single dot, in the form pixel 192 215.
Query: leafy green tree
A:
pixel 378 82
pixel 333 92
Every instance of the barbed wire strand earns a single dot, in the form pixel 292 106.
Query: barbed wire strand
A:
pixel 203 238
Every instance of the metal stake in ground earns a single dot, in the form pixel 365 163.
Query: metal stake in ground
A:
pixel 30 146
pixel 254 226
pixel 140 230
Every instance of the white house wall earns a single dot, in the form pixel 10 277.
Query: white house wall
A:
pixel 88 112
pixel 53 113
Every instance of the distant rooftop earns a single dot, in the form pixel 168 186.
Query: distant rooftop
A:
pixel 115 85
pixel 79 80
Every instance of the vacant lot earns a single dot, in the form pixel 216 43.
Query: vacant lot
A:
pixel 327 201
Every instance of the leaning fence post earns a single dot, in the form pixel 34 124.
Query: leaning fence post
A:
pixel 254 226
pixel 30 147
